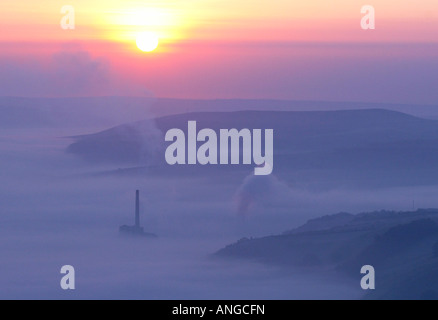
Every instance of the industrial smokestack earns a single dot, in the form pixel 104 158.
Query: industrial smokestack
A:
pixel 136 230
pixel 137 209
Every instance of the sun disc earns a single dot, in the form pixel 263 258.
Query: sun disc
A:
pixel 147 41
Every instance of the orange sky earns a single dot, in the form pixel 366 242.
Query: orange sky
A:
pixel 216 40
pixel 224 20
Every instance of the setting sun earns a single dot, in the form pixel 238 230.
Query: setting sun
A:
pixel 147 41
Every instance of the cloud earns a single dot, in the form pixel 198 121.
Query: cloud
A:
pixel 261 190
pixel 78 73
pixel 72 72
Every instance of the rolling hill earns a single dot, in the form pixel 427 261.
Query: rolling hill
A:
pixel 319 149
pixel 401 246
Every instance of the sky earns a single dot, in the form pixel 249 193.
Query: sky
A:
pixel 298 50
pixel 59 209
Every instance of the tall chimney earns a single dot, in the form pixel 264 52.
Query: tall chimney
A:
pixel 137 209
